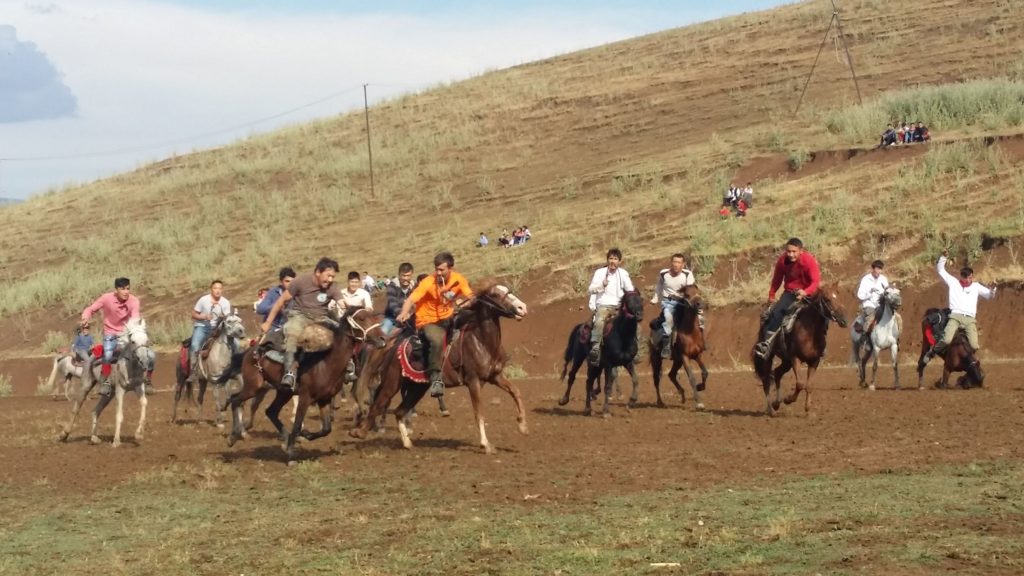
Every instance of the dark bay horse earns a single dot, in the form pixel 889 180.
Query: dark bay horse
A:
pixel 618 348
pixel 319 378
pixel 803 345
pixel 688 345
pixel 475 357
pixel 957 357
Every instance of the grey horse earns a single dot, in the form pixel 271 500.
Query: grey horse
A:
pixel 226 340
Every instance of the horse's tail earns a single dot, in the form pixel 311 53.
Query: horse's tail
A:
pixel 570 350
pixel 762 366
pixel 233 369
pixel 52 380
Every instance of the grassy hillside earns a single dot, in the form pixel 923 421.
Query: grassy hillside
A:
pixel 629 143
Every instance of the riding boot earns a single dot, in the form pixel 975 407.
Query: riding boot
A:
pixel 594 357
pixel 436 385
pixel 350 371
pixel 105 388
pixel 288 380
pixel 764 347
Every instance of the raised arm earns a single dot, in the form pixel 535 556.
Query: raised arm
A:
pixel 948 278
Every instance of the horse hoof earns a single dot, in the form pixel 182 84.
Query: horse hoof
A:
pixel 563 401
pixel 776 406
pixel 357 433
pixel 631 404
pixel 231 440
pixel 445 413
pixel 62 437
pixel 94 440
pixel 587 412
pixel 701 386
pixel 488 449
pixel 700 407
pixel 606 415
pixel 139 437
pixel 115 444
pixel 407 444
pixel 661 404
pixel 523 429
pixel 789 400
pixel 292 462
pixel 871 387
pixel 920 387
pixel 220 425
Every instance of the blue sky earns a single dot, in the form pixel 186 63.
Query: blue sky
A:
pixel 107 85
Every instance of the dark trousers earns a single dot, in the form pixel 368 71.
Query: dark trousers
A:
pixel 778 312
pixel 433 336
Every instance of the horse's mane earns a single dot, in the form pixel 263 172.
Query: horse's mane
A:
pixel 485 285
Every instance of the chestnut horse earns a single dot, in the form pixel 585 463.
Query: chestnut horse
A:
pixel 957 357
pixel 618 348
pixel 474 358
pixel 688 345
pixel 319 378
pixel 803 345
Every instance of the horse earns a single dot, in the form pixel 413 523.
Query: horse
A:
pixel 957 357
pixel 688 345
pixel 803 344
pixel 64 370
pixel 884 335
pixel 222 344
pixel 319 378
pixel 618 348
pixel 134 359
pixel 475 356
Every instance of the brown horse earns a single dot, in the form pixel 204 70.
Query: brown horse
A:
pixel 957 357
pixel 475 357
pixel 688 345
pixel 803 345
pixel 320 377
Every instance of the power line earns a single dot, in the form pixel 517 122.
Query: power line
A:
pixel 121 151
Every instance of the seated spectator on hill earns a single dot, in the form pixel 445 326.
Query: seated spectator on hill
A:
pixel 724 211
pixel 517 237
pixel 888 137
pixel 908 133
pixel 504 240
pixel 526 233
pixel 482 242
pixel 921 133
pixel 741 208
pixel 748 195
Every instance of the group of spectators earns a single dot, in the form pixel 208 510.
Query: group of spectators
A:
pixel 518 237
pixel 736 201
pixel 904 133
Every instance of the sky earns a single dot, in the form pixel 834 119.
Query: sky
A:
pixel 89 88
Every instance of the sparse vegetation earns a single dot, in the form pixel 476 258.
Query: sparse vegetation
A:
pixel 6 386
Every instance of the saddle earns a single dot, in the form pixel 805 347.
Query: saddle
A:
pixel 413 359
pixel 588 327
pixel 936 320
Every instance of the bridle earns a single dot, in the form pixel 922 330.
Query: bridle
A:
pixel 826 309
pixel 359 333
pixel 624 310
pixel 500 306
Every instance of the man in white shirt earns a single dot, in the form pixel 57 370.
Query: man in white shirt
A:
pixel 963 304
pixel 668 291
pixel 209 310
pixel 355 296
pixel 870 291
pixel 369 284
pixel 607 288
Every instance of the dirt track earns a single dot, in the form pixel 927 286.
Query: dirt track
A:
pixel 567 455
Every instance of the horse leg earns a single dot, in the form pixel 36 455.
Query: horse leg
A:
pixel 576 363
pixel 894 352
pixel 796 365
pixel 443 407
pixel 609 385
pixel 812 367
pixel 517 398
pixel 656 375
pixel 179 385
pixel 875 353
pixel 250 388
pixel 412 393
pixel 922 361
pixel 945 377
pixel 76 406
pixel 273 411
pixel 218 392
pixel 326 417
pixel 143 402
pixel 119 415
pixel 100 405
pixel 257 399
pixel 300 415
pixel 777 375
pixel 474 397
pixel 201 397
pixel 390 378
pixel 703 373
pixel 673 377
pixel 592 374
pixel 693 384
pixel 631 369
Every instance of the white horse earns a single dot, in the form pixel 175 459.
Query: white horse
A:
pixel 884 335
pixel 64 370
pixel 134 359
pixel 228 338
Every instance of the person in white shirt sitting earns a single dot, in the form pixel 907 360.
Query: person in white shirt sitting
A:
pixel 870 291
pixel 354 297
pixel 668 291
pixel 209 310
pixel 963 305
pixel 607 288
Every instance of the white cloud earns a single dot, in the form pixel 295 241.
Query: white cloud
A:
pixel 146 72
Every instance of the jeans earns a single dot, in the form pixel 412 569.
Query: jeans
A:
pixel 200 332
pixel 109 346
pixel 778 312
pixel 667 309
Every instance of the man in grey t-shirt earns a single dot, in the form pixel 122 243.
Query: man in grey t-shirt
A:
pixel 668 292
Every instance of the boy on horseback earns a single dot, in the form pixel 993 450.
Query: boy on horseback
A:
pixel 798 272
pixel 312 295
pixel 668 292
pixel 963 306
pixel 285 277
pixel 118 308
pixel 607 288
pixel 434 302
pixel 209 310
pixel 870 291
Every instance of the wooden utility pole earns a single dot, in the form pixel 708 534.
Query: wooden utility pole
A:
pixel 838 23
pixel 369 146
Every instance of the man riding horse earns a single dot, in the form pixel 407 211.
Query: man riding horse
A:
pixel 311 295
pixel 434 301
pixel 607 288
pixel 798 273
pixel 118 308
pixel 397 293
pixel 209 310
pixel 285 277
pixel 668 292
pixel 870 291
pixel 963 306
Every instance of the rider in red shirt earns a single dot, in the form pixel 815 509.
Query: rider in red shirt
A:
pixel 798 273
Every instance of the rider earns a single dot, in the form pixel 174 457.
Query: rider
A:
pixel 798 273
pixel 397 293
pixel 963 305
pixel 607 288
pixel 81 348
pixel 668 292
pixel 354 295
pixel 312 294
pixel 870 291
pixel 434 302
pixel 285 277
pixel 118 308
pixel 209 310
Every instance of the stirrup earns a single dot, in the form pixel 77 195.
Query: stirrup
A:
pixel 288 380
pixel 436 385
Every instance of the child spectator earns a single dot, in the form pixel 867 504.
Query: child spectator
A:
pixel 526 233
pixel 482 241
pixel 888 137
pixel 921 133
pixel 723 212
pixel 748 195
pixel 82 346
pixel 741 208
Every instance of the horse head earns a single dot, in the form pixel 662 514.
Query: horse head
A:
pixel 830 306
pixel 692 296
pixel 365 327
pixel 232 326
pixel 500 299
pixel 892 297
pixel 632 306
pixel 134 335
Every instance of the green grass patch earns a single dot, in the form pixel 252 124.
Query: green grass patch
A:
pixel 206 518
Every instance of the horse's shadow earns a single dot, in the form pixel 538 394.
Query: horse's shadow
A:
pixel 732 412
pixel 394 443
pixel 273 454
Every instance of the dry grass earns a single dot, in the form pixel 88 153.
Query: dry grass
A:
pixel 628 143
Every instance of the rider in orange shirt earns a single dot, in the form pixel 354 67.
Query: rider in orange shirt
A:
pixel 434 300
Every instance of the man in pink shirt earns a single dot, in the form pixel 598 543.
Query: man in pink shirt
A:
pixel 118 308
pixel 797 272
